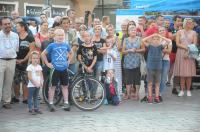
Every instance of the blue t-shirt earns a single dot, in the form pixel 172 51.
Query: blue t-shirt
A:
pixel 58 54
pixel 154 58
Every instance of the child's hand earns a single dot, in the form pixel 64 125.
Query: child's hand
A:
pixel 90 70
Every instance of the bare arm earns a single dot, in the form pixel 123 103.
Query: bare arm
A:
pixel 124 51
pixel 93 62
pixel 195 38
pixel 141 49
pixel 168 49
pixel 31 47
pixel 42 79
pixel 70 56
pixel 44 59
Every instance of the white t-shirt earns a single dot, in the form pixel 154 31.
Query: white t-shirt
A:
pixel 35 72
pixel 33 30
pixel 108 59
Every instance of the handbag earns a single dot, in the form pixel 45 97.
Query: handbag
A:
pixel 143 66
pixel 193 51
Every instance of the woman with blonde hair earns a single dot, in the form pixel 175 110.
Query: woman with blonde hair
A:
pixel 184 66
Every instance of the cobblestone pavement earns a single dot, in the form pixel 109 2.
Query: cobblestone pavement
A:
pixel 175 114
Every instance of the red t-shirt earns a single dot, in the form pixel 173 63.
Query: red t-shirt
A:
pixel 112 89
pixel 41 38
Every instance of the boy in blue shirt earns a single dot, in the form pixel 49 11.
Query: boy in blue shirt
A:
pixel 60 54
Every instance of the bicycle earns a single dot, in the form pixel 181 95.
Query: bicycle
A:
pixel 86 92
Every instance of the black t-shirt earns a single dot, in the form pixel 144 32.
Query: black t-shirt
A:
pixel 44 45
pixel 174 47
pixel 24 46
pixel 99 44
pixel 80 42
pixel 87 54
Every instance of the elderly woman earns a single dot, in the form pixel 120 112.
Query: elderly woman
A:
pixel 131 49
pixel 184 66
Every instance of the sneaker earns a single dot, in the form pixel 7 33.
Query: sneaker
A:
pixel 174 91
pixel 181 93
pixel 150 100
pixel 157 100
pixel 38 111
pixel 189 94
pixel 66 107
pixel 51 107
pixel 160 98
pixel 145 99
pixel 32 112
pixel 25 101
pixel 7 106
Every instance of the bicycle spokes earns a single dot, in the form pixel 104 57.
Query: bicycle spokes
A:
pixel 88 94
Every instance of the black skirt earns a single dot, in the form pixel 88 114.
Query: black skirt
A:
pixel 132 76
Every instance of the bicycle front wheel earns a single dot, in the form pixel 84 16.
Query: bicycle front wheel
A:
pixel 87 93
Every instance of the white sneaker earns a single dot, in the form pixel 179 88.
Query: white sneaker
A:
pixel 189 94
pixel 181 93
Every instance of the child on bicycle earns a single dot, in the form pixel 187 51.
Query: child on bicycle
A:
pixel 87 56
pixel 35 78
pixel 61 55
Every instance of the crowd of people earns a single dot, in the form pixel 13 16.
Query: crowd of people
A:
pixel 28 51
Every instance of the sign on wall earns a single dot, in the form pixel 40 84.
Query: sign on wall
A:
pixel 32 9
pixel 58 10
pixel 7 7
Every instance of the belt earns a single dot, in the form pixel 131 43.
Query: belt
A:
pixel 7 59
